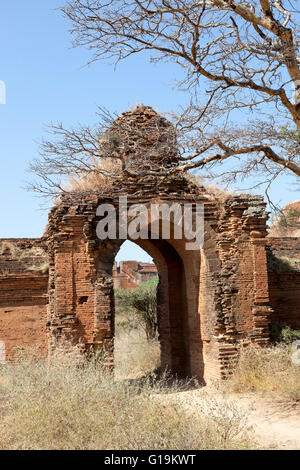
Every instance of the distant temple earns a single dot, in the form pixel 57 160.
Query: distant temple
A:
pixel 130 274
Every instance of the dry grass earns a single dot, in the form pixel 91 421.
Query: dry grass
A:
pixel 43 268
pixel 55 405
pixel 19 253
pixel 134 355
pixel 68 402
pixel 94 180
pixel 278 231
pixel 281 264
pixel 287 222
pixel 219 193
pixel 212 189
pixel 267 370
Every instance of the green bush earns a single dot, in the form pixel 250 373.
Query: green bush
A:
pixel 282 333
pixel 140 306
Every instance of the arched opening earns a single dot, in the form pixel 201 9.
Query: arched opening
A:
pixel 177 311
pixel 136 342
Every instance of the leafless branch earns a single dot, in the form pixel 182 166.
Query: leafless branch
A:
pixel 238 56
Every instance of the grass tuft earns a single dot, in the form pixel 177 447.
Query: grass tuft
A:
pixel 269 370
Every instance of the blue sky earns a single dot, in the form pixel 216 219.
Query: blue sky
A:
pixel 46 81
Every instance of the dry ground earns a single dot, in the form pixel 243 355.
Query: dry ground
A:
pixel 274 419
pixel 275 425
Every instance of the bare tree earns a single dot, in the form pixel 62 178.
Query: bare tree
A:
pixel 241 63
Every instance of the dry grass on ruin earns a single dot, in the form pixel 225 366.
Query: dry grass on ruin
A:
pixel 94 180
pixel 269 370
pixel 43 268
pixel 18 253
pixel 219 193
pixel 212 189
pixel 277 230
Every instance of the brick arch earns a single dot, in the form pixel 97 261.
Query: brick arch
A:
pixel 213 301
pixel 183 267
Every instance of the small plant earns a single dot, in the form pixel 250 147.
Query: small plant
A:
pixel 43 268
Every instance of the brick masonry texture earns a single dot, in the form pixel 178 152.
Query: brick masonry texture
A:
pixel 23 295
pixel 211 302
pixel 284 279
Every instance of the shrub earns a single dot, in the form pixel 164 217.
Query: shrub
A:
pixel 140 304
pixel 282 333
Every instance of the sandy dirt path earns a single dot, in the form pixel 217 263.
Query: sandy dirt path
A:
pixel 275 425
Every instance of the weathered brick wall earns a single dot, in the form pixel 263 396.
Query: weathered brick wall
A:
pixel 23 295
pixel 222 293
pixel 284 279
pixel 210 303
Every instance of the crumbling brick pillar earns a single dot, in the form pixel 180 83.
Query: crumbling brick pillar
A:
pixel 234 300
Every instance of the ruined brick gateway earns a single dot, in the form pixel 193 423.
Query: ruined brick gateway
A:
pixel 211 302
